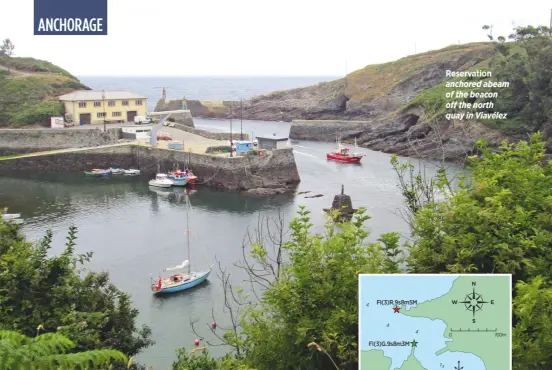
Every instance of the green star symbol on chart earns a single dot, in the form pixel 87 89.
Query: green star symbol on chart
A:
pixel 414 343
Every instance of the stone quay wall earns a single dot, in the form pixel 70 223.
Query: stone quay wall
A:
pixel 276 170
pixel 325 130
pixel 20 141
pixel 105 157
pixel 210 135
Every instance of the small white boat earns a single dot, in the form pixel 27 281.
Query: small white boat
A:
pixel 131 172
pixel 161 181
pixel 116 171
pixel 10 216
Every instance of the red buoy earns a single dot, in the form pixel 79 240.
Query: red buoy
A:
pixel 214 324
pixel 196 342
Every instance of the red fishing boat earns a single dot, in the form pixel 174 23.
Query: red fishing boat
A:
pixel 190 176
pixel 341 154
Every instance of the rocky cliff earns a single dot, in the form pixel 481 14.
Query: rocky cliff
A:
pixel 373 105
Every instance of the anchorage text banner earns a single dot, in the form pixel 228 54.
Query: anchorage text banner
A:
pixel 70 17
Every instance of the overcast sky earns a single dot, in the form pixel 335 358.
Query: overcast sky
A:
pixel 263 37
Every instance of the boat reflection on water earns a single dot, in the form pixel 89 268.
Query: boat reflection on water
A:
pixel 174 193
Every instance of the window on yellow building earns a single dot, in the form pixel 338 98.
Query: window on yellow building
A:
pixel 138 102
pixel 97 104
pixel 100 114
pixel 116 114
pixel 111 103
pixel 125 102
pixel 82 104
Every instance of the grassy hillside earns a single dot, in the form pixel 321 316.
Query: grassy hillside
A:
pixel 370 93
pixel 29 89
pixel 378 80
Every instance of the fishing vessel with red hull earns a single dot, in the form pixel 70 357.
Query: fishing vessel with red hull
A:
pixel 342 154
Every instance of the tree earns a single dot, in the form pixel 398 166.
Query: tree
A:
pixel 7 48
pixel 37 289
pixel 49 352
pixel 526 65
pixel 307 301
pixel 497 221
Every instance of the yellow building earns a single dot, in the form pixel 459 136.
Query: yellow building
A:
pixel 89 107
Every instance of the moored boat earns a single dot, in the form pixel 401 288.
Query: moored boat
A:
pixel 342 154
pixel 131 172
pixel 192 179
pixel 178 282
pixel 97 172
pixel 10 216
pixel 161 181
pixel 116 171
pixel 178 180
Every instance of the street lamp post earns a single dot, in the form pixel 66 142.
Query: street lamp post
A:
pixel 103 101
pixel 241 119
pixel 231 138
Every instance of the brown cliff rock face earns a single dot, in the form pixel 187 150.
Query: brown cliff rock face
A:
pixel 369 104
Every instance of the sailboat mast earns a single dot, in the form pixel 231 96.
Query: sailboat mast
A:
pixel 241 120
pixel 188 232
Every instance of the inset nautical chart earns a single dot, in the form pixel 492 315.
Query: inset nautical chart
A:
pixel 433 322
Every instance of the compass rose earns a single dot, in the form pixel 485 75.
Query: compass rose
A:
pixel 473 302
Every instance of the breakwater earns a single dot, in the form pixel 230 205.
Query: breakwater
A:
pixel 275 172
pixel 326 130
pixel 20 141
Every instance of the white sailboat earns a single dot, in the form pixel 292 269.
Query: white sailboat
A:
pixel 179 282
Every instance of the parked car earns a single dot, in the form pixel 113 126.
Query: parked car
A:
pixel 142 119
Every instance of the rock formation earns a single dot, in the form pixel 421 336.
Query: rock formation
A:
pixel 373 105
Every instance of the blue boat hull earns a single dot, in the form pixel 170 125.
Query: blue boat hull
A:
pixel 178 181
pixel 198 279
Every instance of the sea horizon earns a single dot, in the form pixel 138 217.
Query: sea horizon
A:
pixel 201 88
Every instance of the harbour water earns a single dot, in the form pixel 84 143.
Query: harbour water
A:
pixel 135 232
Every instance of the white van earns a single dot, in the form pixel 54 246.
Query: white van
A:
pixel 142 119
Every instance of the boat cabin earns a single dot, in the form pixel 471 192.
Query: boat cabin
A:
pixel 161 176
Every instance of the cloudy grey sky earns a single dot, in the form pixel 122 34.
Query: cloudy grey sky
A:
pixel 263 37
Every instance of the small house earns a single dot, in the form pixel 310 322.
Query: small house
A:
pixel 272 143
pixel 243 146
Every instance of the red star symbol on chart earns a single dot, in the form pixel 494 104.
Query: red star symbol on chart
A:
pixel 396 309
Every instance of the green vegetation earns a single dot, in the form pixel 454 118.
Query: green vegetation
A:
pixel 434 100
pixel 49 352
pixel 37 289
pixel 497 222
pixel 7 48
pixel 376 80
pixel 524 64
pixel 302 312
pixel 29 89
pixel 33 65
pixel 32 99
